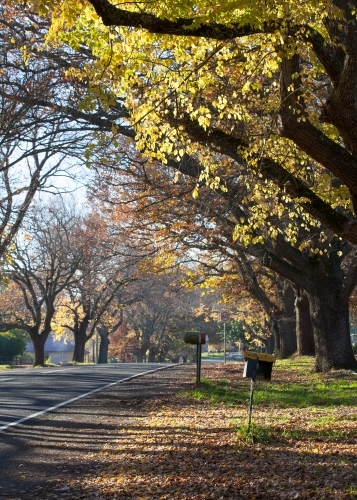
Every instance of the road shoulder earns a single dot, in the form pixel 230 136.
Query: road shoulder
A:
pixel 38 459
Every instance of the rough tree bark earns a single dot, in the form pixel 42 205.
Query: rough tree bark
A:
pixel 304 330
pixel 39 340
pixel 140 354
pixel 287 321
pixel 269 344
pixel 152 355
pixel 330 319
pixel 80 339
pixel 104 345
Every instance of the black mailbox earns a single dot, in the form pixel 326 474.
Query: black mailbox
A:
pixel 258 365
pixel 195 338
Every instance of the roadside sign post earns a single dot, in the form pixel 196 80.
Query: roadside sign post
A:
pixel 225 317
pixel 224 343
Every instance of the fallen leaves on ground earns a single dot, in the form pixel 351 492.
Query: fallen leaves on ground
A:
pixel 183 448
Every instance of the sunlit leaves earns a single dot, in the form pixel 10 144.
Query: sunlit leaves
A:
pixel 172 84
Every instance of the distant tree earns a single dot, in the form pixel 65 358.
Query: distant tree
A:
pixel 106 269
pixel 109 323
pixel 235 331
pixel 12 343
pixel 45 259
pixel 121 339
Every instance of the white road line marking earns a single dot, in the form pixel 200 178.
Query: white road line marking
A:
pixel 5 379
pixel 61 370
pixel 34 415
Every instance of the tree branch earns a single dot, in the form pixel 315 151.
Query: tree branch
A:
pixel 113 16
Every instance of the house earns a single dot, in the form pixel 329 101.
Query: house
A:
pixel 57 351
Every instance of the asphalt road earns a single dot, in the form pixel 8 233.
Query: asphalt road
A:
pixel 26 392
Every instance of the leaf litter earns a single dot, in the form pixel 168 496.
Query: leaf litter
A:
pixel 184 447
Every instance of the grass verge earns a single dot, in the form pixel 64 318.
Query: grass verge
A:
pixel 196 444
pixel 295 404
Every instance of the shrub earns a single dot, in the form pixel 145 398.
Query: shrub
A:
pixel 12 343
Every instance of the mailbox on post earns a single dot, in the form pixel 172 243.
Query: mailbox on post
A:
pixel 258 365
pixel 196 338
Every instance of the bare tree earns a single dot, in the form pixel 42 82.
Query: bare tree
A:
pixel 44 261
pixel 152 316
pixel 43 133
pixel 107 268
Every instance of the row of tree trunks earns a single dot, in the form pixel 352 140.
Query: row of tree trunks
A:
pixel 318 326
pixel 314 324
pixel 310 323
pixel 306 320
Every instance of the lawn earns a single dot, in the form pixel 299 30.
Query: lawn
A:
pixel 195 444
pixel 213 354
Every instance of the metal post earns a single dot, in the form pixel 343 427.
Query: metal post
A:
pixel 198 364
pixel 224 343
pixel 252 386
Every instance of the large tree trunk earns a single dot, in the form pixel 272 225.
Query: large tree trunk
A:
pixel 152 355
pixel 287 321
pixel 274 326
pixel 269 344
pixel 38 341
pixel 328 298
pixel 140 354
pixel 80 339
pixel 330 320
pixel 103 346
pixel 304 331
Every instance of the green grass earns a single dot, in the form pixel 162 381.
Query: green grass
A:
pixel 302 364
pixel 293 385
pixel 307 394
pixel 220 391
pixel 295 404
pixel 353 492
pixel 254 433
pixel 4 367
pixel 46 365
